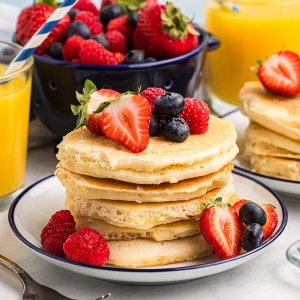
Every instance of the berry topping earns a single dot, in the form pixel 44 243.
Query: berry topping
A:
pixel 60 226
pixel 78 28
pixel 126 120
pixel 88 246
pixel 280 73
pixel 272 220
pixel 134 57
pixel 222 228
pixel 151 94
pixel 251 212
pixel 154 128
pixel 252 237
pixel 89 101
pixel 169 104
pixel 175 129
pixel 237 205
pixel 196 114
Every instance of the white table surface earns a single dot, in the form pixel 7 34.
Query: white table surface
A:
pixel 269 276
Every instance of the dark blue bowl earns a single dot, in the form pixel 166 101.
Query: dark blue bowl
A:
pixel 55 81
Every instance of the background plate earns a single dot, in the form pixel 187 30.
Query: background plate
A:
pixel 32 209
pixel 285 186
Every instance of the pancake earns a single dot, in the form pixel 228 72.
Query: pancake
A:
pixel 262 141
pixel 144 215
pixel 277 113
pixel 162 161
pixel 142 253
pixel 103 188
pixel 275 166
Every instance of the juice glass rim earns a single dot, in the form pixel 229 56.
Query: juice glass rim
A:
pixel 26 67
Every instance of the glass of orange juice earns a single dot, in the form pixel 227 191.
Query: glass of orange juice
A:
pixel 248 30
pixel 15 90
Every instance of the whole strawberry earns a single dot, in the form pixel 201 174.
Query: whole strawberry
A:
pixel 87 246
pixel 89 101
pixel 60 226
pixel 196 114
pixel 163 32
pixel 86 5
pixel 33 17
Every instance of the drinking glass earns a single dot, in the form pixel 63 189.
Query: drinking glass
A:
pixel 15 91
pixel 248 30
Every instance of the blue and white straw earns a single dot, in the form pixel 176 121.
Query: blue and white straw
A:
pixel 40 36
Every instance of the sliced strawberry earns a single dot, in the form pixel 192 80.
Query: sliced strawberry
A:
pixel 89 102
pixel 280 73
pixel 222 229
pixel 237 205
pixel 272 220
pixel 126 120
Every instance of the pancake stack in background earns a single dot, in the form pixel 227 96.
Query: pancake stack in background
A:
pixel 147 205
pixel 272 139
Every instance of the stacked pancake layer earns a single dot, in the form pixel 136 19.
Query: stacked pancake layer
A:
pixel 272 139
pixel 147 205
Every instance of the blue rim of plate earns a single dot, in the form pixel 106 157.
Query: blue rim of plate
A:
pixel 254 173
pixel 145 270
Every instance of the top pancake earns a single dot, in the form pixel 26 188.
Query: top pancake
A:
pixel 277 113
pixel 162 161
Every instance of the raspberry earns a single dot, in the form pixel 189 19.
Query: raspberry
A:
pixel 87 246
pixel 72 48
pixel 87 5
pixel 196 114
pixel 116 40
pixel 90 20
pixel 60 226
pixel 93 53
pixel 151 94
pixel 119 57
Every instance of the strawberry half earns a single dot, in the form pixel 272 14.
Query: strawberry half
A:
pixel 237 205
pixel 222 228
pixel 280 73
pixel 126 120
pixel 272 220
pixel 89 102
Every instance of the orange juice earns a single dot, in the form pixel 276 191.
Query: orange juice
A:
pixel 248 31
pixel 14 119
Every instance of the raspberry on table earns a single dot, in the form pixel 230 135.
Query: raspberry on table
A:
pixel 60 226
pixel 88 246
pixel 196 114
pixel 151 94
pixel 72 47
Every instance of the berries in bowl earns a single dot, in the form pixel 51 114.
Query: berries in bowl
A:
pixel 122 45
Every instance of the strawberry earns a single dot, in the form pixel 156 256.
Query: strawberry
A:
pixel 151 93
pixel 163 32
pixel 272 220
pixel 196 114
pixel 94 53
pixel 72 47
pixel 237 205
pixel 90 20
pixel 33 17
pixel 89 102
pixel 222 228
pixel 121 24
pixel 116 40
pixel 126 120
pixel 86 5
pixel 280 73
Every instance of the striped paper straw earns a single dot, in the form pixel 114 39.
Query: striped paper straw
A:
pixel 40 36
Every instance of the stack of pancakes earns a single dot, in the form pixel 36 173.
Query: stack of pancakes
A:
pixel 147 205
pixel 272 139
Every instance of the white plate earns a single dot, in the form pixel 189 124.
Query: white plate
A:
pixel 241 122
pixel 32 209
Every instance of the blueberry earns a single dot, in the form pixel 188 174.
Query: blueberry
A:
pixel 252 237
pixel 169 104
pixel 133 18
pixel 175 129
pixel 78 28
pixel 134 57
pixel 101 39
pixel 55 50
pixel 72 13
pixel 251 212
pixel 110 12
pixel 154 128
